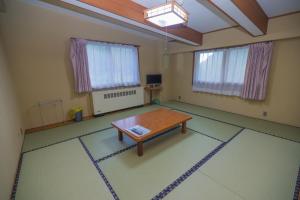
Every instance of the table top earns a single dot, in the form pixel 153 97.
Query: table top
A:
pixel 156 121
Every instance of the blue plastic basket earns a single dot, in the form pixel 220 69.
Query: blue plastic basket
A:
pixel 78 116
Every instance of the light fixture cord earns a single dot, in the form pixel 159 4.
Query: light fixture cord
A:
pixel 166 27
pixel 166 38
pixel 166 33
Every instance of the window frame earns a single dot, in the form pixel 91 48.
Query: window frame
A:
pixel 138 61
pixel 210 49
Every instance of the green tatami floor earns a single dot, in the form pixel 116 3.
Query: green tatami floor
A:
pixel 222 156
pixel 61 171
pixel 51 136
pixel 257 166
pixel 164 160
pixel 281 130
pixel 251 166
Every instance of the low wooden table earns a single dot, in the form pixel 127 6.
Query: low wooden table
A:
pixel 156 121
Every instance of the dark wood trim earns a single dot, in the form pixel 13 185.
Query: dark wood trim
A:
pixel 254 12
pixel 67 122
pixel 286 14
pixel 216 6
pixel 183 127
pixel 135 12
pixel 233 1
pixel 185 32
pixel 54 125
pixel 120 135
pixel 140 149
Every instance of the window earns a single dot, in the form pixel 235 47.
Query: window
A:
pixel 220 71
pixel 112 65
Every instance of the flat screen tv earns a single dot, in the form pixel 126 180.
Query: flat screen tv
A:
pixel 153 79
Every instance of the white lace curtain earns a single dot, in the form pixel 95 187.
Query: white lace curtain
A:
pixel 220 71
pixel 112 65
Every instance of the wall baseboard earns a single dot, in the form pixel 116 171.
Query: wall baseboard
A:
pixel 55 125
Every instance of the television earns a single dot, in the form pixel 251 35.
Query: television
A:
pixel 153 79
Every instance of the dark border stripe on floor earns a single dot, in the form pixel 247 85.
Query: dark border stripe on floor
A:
pixel 15 186
pixel 201 162
pixel 203 116
pixel 274 135
pixel 114 154
pixel 112 191
pixel 14 190
pixel 65 140
pixel 297 187
pixel 174 184
pixel 206 135
pixel 231 124
pixel 132 146
pixel 193 169
pixel 219 110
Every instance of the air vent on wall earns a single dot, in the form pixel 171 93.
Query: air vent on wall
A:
pixel 105 101
pixel 119 94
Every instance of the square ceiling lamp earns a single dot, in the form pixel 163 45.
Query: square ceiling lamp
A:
pixel 167 14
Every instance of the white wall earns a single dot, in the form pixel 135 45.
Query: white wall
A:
pixel 37 40
pixel 283 93
pixel 10 124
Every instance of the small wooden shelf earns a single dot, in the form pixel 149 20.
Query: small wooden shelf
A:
pixel 151 89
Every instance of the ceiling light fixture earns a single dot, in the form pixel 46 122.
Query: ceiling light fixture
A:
pixel 167 14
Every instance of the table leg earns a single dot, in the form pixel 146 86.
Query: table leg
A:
pixel 140 148
pixel 183 127
pixel 120 135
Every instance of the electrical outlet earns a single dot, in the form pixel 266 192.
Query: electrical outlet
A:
pixel 265 113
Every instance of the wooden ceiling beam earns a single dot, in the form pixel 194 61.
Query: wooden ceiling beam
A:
pixel 247 13
pixel 254 12
pixel 135 12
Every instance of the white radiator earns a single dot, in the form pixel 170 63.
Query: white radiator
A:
pixel 117 99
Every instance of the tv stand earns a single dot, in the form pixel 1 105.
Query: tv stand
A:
pixel 151 89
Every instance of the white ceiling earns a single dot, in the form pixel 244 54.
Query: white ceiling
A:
pixel 201 18
pixel 279 7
